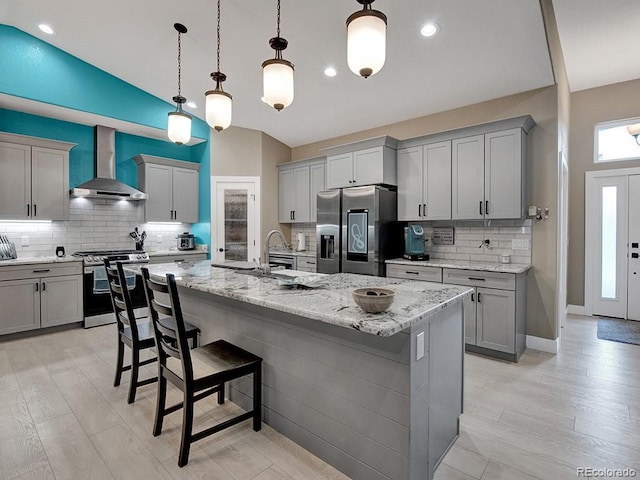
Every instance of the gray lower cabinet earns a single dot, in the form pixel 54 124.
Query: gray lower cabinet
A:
pixel 306 264
pixel 40 296
pixel 495 314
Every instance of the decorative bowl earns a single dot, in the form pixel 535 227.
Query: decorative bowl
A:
pixel 373 300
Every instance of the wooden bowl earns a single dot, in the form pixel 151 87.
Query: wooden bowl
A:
pixel 373 300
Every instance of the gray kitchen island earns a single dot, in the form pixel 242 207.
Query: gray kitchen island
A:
pixel 378 396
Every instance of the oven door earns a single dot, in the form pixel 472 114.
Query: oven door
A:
pixel 98 309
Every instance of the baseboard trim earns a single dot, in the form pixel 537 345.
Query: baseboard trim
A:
pixel 575 309
pixel 543 344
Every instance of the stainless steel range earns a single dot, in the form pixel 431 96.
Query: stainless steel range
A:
pixel 98 309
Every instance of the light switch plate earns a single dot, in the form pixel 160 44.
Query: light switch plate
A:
pixel 159 238
pixel 419 346
pixel 24 240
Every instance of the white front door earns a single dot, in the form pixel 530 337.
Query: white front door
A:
pixel 235 223
pixel 606 218
pixel 633 284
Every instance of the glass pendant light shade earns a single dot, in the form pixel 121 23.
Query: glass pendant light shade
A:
pixel 277 82
pixel 179 127
pixel 366 41
pixel 218 109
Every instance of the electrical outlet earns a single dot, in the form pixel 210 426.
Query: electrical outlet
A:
pixel 520 244
pixel 25 240
pixel 419 346
pixel 159 238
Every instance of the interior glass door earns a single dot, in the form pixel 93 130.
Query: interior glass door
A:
pixel 235 218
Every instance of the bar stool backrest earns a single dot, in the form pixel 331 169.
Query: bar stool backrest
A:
pixel 170 342
pixel 120 298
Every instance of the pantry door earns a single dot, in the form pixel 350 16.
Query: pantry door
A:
pixel 235 222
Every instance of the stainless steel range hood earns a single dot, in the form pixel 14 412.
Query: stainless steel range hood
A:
pixel 105 184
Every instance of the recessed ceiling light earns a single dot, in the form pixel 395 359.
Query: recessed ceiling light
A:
pixel 46 29
pixel 429 29
pixel 330 72
pixel 192 105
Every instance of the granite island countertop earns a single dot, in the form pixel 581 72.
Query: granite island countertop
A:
pixel 331 302
pixel 174 251
pixel 464 265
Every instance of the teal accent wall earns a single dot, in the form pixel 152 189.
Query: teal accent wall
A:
pixel 36 70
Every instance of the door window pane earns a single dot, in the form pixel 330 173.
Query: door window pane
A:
pixel 614 142
pixel 609 236
pixel 235 225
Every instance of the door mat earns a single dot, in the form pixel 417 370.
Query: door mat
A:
pixel 623 331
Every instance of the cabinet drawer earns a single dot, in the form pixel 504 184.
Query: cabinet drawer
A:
pixel 415 272
pixel 41 270
pixel 306 264
pixel 474 278
pixel 191 257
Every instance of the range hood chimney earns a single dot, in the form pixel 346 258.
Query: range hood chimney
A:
pixel 105 185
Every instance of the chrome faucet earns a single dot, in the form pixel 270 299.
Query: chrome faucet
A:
pixel 266 246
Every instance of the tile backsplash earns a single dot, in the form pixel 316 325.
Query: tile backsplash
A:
pixel 468 238
pixel 469 241
pixel 94 224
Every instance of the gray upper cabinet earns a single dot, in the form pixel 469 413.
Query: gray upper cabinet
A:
pixel 468 178
pixel 424 182
pixel 488 176
pixel 172 187
pixel 34 178
pixel 472 173
pixel 298 185
pixel 369 162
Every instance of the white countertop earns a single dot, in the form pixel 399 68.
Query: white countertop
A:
pixel 332 302
pixel 465 265
pixel 37 260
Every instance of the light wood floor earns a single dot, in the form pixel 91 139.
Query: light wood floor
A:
pixel 60 418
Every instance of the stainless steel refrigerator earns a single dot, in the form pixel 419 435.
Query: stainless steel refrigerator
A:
pixel 357 230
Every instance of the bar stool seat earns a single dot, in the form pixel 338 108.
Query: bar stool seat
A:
pixel 197 372
pixel 146 337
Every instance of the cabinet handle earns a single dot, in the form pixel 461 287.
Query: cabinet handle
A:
pixel 412 273
pixel 175 214
pixel 477 279
pixel 34 209
pixel 311 263
pixel 44 270
pixel 293 212
pixel 419 208
pixel 28 209
pixel 178 260
pixel 480 207
pixel 473 299
pixel 221 249
pixel 479 297
pixel 486 207
pixel 424 209
pixel 37 286
pixel 44 286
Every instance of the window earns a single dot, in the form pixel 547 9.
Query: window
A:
pixel 614 143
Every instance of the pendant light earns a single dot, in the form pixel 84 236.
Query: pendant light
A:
pixel 218 102
pixel 277 74
pixel 366 40
pixel 179 123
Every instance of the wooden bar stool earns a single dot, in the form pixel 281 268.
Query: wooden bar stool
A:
pixel 134 332
pixel 218 362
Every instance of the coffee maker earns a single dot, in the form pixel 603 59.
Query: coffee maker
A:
pixel 414 243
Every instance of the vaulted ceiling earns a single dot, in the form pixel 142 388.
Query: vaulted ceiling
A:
pixel 484 50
